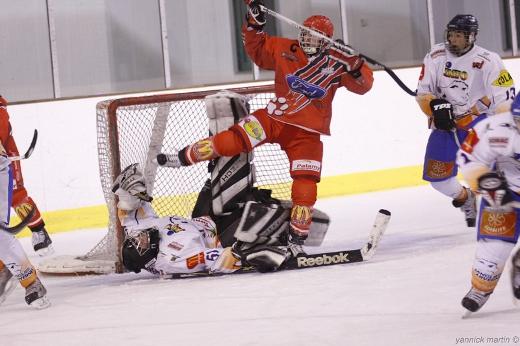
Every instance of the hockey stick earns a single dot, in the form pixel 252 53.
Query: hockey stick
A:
pixel 17 228
pixel 345 48
pixel 29 151
pixel 303 261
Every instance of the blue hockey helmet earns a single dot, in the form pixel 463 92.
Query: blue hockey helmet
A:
pixel 466 24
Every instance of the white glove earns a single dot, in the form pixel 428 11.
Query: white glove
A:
pixel 130 187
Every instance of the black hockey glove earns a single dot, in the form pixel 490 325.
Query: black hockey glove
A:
pixel 442 112
pixel 255 17
pixel 495 191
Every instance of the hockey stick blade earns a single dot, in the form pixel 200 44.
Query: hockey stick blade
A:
pixel 17 228
pixel 345 256
pixel 29 151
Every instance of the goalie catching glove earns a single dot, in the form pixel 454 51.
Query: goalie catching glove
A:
pixel 442 112
pixel 130 187
pixel 495 191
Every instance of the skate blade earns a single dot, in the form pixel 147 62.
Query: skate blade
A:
pixel 9 287
pixel 467 314
pixel 49 250
pixel 40 303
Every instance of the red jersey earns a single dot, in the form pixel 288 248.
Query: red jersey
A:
pixel 307 85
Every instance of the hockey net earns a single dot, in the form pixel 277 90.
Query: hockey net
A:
pixel 136 129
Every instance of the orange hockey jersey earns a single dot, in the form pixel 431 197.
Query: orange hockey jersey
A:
pixel 306 85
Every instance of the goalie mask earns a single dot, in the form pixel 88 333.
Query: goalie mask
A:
pixel 461 33
pixel 311 44
pixel 140 251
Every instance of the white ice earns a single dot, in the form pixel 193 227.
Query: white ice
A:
pixel 408 294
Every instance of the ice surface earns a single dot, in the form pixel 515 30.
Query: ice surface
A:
pixel 408 294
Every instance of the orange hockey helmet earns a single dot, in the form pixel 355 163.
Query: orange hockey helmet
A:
pixel 313 45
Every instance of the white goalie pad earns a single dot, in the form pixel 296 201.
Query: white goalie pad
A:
pixel 224 109
pixel 75 265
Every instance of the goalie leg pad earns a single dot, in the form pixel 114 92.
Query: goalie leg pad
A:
pixel 224 109
pixel 262 224
pixel 266 258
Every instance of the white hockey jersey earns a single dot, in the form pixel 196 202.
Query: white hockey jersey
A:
pixel 186 246
pixel 476 82
pixel 492 144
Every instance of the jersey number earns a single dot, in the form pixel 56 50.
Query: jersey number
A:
pixel 510 93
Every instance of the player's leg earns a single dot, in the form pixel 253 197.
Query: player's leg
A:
pixel 305 152
pixel 441 170
pixel 490 258
pixel 22 204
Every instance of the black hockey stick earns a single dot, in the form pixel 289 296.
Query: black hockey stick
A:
pixel 344 47
pixel 17 228
pixel 303 261
pixel 29 151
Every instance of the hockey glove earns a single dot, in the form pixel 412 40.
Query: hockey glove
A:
pixel 442 112
pixel 255 17
pixel 132 181
pixel 495 191
pixel 351 62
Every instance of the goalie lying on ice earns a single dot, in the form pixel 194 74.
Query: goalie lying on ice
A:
pixel 256 236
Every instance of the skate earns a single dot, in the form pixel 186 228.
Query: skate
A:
pixel 7 283
pixel 295 243
pixel 515 275
pixel 41 242
pixel 468 207
pixel 475 299
pixel 36 295
pixel 169 160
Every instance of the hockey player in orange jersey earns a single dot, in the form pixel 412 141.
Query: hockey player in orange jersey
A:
pixel 21 202
pixel 308 71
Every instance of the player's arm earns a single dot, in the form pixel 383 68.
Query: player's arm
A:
pixel 499 86
pixel 259 46
pixel 426 85
pixel 359 76
pixel 474 159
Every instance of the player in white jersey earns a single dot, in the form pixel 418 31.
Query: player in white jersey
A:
pixel 14 264
pixel 176 245
pixel 489 159
pixel 460 83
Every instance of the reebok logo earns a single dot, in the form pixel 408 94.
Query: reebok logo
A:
pixel 442 106
pixel 322 260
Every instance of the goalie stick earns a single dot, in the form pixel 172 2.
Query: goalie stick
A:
pixel 341 46
pixel 303 261
pixel 29 151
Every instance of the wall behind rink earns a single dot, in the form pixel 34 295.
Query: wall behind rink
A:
pixel 381 134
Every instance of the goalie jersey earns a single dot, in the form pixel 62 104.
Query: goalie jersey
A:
pixel 185 246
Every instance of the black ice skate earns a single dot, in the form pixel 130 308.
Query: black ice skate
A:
pixel 468 207
pixel 42 242
pixel 36 295
pixel 475 299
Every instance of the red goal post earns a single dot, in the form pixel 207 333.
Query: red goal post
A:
pixel 135 129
